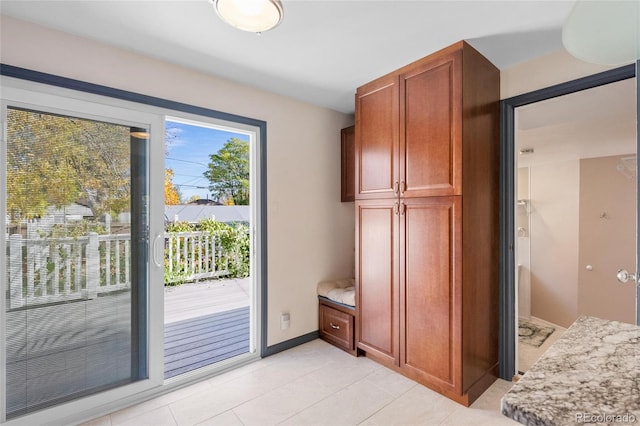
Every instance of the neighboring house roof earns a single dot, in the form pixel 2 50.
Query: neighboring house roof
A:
pixel 72 211
pixel 206 202
pixel 194 213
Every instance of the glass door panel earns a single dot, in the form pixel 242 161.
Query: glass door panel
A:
pixel 76 194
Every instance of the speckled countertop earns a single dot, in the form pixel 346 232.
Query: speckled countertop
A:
pixel 590 375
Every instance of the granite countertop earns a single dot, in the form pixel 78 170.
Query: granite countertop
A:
pixel 590 375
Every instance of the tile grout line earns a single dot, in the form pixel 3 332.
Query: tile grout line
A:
pixel 322 399
pixel 175 420
pixel 264 393
pixel 390 402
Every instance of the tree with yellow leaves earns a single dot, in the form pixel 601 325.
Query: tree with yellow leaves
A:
pixel 171 193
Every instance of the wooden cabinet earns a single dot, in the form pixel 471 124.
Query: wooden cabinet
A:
pixel 427 221
pixel 409 131
pixel 348 164
pixel 376 147
pixel 430 293
pixel 336 323
pixel 377 297
pixel 430 128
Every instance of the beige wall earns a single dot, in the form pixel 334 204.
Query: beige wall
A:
pixel 554 68
pixel 607 240
pixel 522 194
pixel 523 246
pixel 311 234
pixel 554 192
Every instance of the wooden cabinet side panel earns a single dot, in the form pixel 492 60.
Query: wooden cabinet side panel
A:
pixel 430 289
pixel 481 141
pixel 430 128
pixel 376 282
pixel 376 144
pixel 348 164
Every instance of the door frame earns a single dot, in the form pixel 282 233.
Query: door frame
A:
pixel 507 333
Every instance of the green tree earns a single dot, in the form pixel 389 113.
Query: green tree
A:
pixel 228 173
pixel 55 160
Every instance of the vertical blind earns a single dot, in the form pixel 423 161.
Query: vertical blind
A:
pixel 75 218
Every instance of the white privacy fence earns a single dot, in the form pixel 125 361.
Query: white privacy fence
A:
pixel 44 271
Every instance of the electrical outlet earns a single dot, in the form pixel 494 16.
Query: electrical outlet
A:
pixel 285 320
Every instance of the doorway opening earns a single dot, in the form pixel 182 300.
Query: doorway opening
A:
pixel 570 210
pixel 209 281
pixel 575 212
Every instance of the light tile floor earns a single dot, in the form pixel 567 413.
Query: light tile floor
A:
pixel 312 384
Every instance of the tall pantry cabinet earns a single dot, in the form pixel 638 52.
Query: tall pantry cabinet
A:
pixel 427 153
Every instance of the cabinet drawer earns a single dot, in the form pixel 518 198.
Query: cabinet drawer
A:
pixel 336 327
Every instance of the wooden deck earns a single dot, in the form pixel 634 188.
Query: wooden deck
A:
pixel 194 300
pixel 205 340
pixel 205 322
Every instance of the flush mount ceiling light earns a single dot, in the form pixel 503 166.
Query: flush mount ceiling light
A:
pixel 256 16
pixel 603 31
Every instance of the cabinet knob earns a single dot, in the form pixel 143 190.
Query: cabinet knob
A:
pixel 335 327
pixel 396 187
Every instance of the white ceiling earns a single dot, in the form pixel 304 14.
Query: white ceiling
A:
pixel 323 50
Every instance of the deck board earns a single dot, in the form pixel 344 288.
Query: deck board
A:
pixel 201 341
pixel 215 321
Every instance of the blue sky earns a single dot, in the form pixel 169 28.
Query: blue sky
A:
pixel 188 155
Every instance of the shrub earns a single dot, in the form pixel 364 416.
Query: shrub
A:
pixel 234 240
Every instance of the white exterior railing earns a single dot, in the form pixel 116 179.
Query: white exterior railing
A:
pixel 194 256
pixel 44 271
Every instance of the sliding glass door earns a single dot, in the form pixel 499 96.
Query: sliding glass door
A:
pixel 86 254
pixel 77 264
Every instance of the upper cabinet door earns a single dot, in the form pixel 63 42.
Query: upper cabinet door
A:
pixel 377 139
pixel 430 127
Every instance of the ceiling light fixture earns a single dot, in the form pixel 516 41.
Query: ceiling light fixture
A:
pixel 604 31
pixel 256 16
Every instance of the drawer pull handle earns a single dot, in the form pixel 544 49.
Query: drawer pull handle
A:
pixel 335 327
